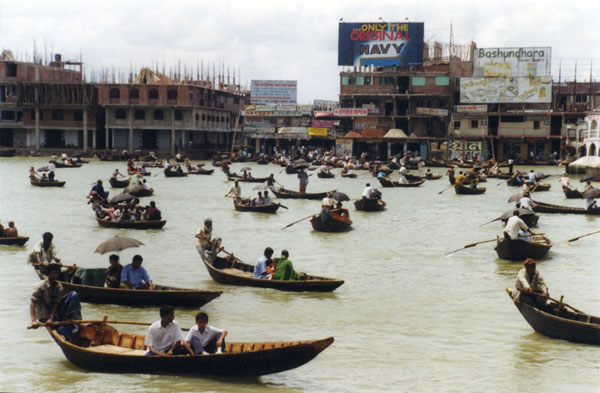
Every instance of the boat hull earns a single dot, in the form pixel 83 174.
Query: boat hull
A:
pixel 370 205
pixel 47 183
pixel 13 241
pixel 519 250
pixel 326 222
pixel 131 225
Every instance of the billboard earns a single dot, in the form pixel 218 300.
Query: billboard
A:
pixel 494 62
pixel 380 44
pixel 432 111
pixel 273 92
pixel 350 112
pixel 505 90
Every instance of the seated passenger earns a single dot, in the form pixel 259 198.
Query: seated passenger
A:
pixel 134 276
pixel 285 270
pixel 112 278
pixel 205 339
pixel 164 336
pixel 260 269
pixel 11 231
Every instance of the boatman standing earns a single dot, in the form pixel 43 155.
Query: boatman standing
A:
pixel 204 235
pixel 303 178
pixel 235 190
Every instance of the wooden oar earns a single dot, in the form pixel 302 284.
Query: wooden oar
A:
pixel 295 222
pixel 285 207
pixel 579 237
pixel 489 222
pixel 560 302
pixel 61 265
pixel 76 321
pixel 471 245
pixel 446 189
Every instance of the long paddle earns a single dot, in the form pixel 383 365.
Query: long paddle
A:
pixel 446 189
pixel 579 237
pixel 76 321
pixel 560 302
pixel 471 245
pixel 489 222
pixel 61 265
pixel 285 207
pixel 295 222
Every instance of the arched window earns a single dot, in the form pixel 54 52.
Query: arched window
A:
pixel 172 94
pixel 153 94
pixel 134 93
pixel 159 114
pixel 115 93
pixel 140 114
pixel 121 114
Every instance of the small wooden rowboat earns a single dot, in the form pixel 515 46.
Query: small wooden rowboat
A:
pixel 556 321
pixel 538 186
pixel 47 183
pixel 13 241
pixel 116 183
pixel 325 175
pixel 59 165
pixel 369 205
pixel 131 224
pixel 385 182
pixel 542 207
pixel 131 173
pixel 283 193
pixel 331 221
pixel 161 294
pixel 248 179
pixel 432 177
pixel 462 190
pixel 200 171
pixel 224 271
pixel 571 194
pixel 350 175
pixel 169 173
pixel 243 205
pixel 519 250
pixel 100 347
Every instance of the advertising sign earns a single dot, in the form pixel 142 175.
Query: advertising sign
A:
pixel 314 131
pixel 505 90
pixel 350 112
pixel 380 44
pixel 324 105
pixel 293 130
pixel 323 123
pixel 466 149
pixel 470 108
pixel 273 92
pixel 530 62
pixel 343 147
pixel 432 111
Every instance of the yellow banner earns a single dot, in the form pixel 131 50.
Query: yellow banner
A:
pixel 317 131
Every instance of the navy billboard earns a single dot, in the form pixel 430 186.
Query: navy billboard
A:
pixel 381 44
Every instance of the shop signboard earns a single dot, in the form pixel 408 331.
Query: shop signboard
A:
pixel 470 108
pixel 273 92
pixel 350 112
pixel 316 131
pixel 343 147
pixel 432 111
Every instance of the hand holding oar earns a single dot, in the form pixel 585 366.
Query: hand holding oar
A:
pixel 446 189
pixel 295 222
pixel 579 237
pixel 471 245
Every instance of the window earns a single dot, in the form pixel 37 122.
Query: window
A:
pixel 78 115
pixel 115 93
pixel 442 81
pixel 197 117
pixel 418 81
pixel 11 70
pixel 32 114
pixel 41 114
pixel 222 119
pixel 8 115
pixel 474 124
pixel 457 124
pixel 386 80
pixel 178 114
pixel 139 114
pixel 121 114
pixel 58 115
pixel 345 81
pixel 153 94
pixel 581 98
pixel 159 114
pixel 172 94
pixel 536 124
pixel 360 80
pixel 512 119
pixel 348 80
pixel 368 80
pixel 203 117
pixel 134 93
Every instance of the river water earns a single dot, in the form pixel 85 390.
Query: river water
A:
pixel 408 318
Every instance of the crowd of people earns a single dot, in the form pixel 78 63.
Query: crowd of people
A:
pixel 125 211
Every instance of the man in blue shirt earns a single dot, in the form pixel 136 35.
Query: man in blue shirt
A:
pixel 134 276
pixel 260 270
pixel 99 188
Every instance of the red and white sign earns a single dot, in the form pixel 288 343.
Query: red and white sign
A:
pixel 350 112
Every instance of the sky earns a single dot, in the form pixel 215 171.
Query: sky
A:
pixel 285 39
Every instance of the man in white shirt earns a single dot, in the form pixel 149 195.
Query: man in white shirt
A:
pixel 204 234
pixel 526 202
pixel 51 169
pixel 44 251
pixel 267 199
pixel 328 202
pixel 513 225
pixel 257 200
pixel 528 283
pixel 564 180
pixel 205 339
pixel 403 170
pixel 235 190
pixel 532 176
pixel 367 192
pixel 165 337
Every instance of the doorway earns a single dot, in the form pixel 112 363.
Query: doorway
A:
pixel 149 139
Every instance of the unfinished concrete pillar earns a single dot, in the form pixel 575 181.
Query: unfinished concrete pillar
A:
pixel 130 130
pixel 85 130
pixel 172 132
pixel 37 128
pixel 106 127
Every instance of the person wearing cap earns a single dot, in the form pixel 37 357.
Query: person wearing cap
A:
pixel 513 227
pixel 327 202
pixel 204 235
pixel 44 251
pixel 529 282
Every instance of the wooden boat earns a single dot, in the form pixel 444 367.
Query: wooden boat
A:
pixel 369 205
pixel 47 183
pixel 386 171
pixel 289 194
pixel 201 171
pixel 538 186
pixel 505 176
pixel 542 207
pixel 100 347
pixel 386 182
pixel 131 173
pixel 13 241
pixel 169 173
pixel 290 170
pixel 262 161
pixel 223 271
pixel 349 175
pixel 531 220
pixel 332 221
pixel 243 205
pixel 556 321
pixel 432 177
pixel 59 165
pixel 325 175
pixel 462 190
pixel 141 192
pixel 248 179
pixel 131 224
pixel 116 183
pixel 571 194
pixel 518 250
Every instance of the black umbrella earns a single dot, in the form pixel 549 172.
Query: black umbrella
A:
pixel 43 169
pixel 339 196
pixel 122 197
pixel 591 193
pixel 509 213
pixel 583 179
